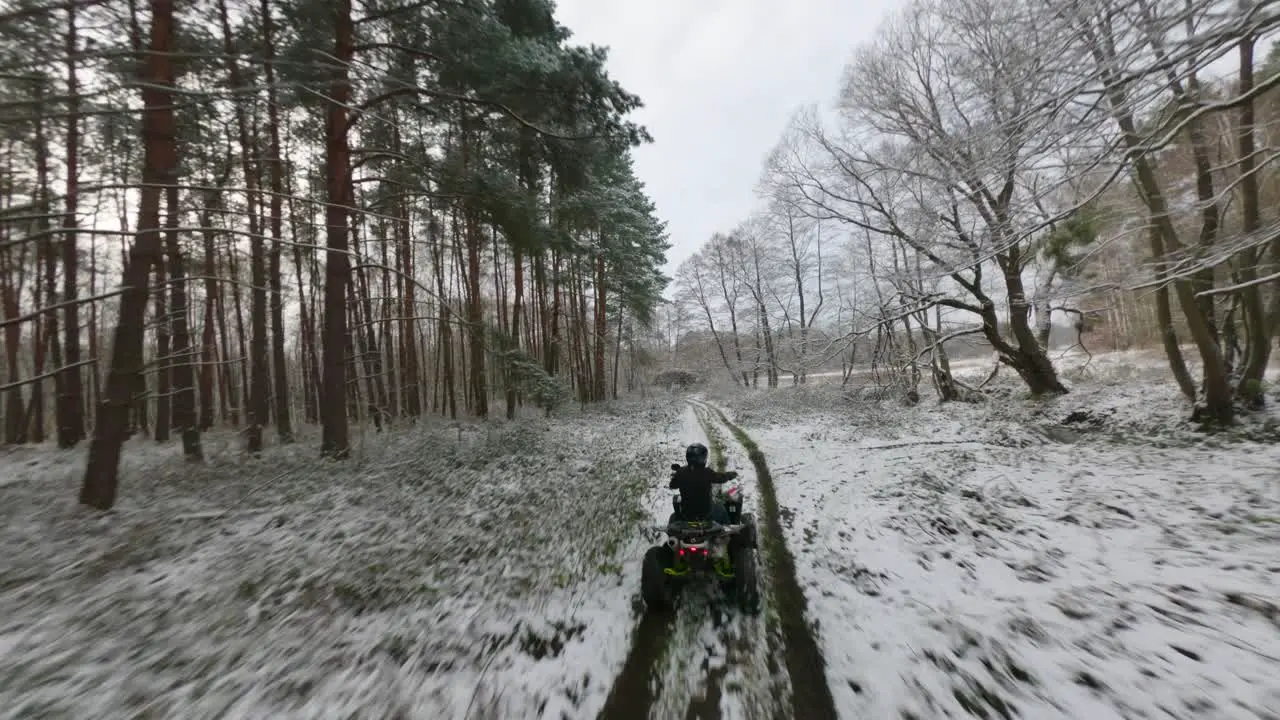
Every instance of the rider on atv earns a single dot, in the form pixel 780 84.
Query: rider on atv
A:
pixel 694 482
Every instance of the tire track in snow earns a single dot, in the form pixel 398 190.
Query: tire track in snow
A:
pixel 811 697
pixel 632 693
pixel 705 663
pixel 638 685
pixel 727 670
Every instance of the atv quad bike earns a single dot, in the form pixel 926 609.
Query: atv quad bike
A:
pixel 701 548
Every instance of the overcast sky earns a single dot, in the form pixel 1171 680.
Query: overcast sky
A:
pixel 719 79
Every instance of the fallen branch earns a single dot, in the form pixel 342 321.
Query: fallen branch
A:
pixel 994 371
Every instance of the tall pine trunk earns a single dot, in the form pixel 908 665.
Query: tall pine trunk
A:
pixel 335 440
pixel 256 402
pixel 47 291
pixel 184 397
pixel 601 331
pixel 71 425
pixel 164 420
pixel 410 381
pixel 160 164
pixel 280 375
pixel 516 310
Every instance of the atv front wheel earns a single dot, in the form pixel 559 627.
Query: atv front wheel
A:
pixel 746 583
pixel 655 584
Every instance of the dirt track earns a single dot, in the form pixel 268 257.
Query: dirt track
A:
pixel 740 664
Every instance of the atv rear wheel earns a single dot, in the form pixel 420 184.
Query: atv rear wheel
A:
pixel 655 585
pixel 748 538
pixel 746 583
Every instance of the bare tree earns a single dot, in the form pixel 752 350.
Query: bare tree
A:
pixel 1147 53
pixel 802 259
pixel 751 259
pixel 695 285
pixel 945 123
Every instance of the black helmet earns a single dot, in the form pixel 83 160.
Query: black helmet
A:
pixel 696 455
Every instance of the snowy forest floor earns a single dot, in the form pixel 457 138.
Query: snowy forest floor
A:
pixel 444 571
pixel 1089 556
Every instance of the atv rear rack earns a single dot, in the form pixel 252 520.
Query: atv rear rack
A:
pixel 708 528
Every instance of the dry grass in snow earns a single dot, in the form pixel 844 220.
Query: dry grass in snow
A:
pixel 480 571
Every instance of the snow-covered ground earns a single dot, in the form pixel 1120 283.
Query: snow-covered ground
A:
pixel 1084 557
pixel 444 572
pixel 1145 361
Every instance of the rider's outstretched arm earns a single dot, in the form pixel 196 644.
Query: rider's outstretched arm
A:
pixel 725 477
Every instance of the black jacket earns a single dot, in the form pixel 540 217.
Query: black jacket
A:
pixel 694 485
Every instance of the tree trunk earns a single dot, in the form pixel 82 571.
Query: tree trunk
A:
pixel 46 292
pixel 582 354
pixel 544 317
pixel 1043 312
pixel 410 379
pixel 601 332
pixel 1164 318
pixel 95 376
pixel 241 386
pixel 14 408
pixel 518 302
pixel 705 305
pixel 1218 407
pixel 1249 388
pixel 160 164
pixel 280 369
pixel 310 367
pixel 335 442
pixel 1217 389
pixel 731 302
pixel 210 368
pixel 771 353
pixel 228 369
pixel 388 356
pixel 798 275
pixel 71 424
pixel 362 355
pixel 257 403
pixel 184 398
pixel 370 355
pixel 353 365
pixel 944 381
pixel 553 340
pixel 617 356
pixel 1031 360
pixel 475 317
pixel 164 420
pixel 444 343
pixel 220 371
